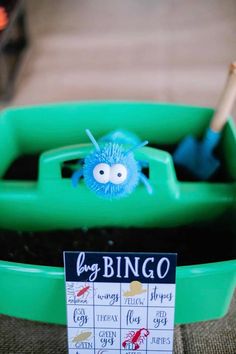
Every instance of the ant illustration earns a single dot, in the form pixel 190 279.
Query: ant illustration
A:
pixel 111 171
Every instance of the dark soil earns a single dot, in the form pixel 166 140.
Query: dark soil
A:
pixel 194 244
pixel 26 168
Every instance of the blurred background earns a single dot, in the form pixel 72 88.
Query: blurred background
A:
pixel 172 51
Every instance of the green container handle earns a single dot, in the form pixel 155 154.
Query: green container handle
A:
pixel 37 205
pixel 161 168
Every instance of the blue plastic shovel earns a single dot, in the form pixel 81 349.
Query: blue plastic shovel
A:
pixel 197 156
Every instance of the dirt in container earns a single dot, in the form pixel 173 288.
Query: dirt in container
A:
pixel 194 244
pixel 26 168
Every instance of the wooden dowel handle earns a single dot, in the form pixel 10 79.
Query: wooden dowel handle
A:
pixel 226 101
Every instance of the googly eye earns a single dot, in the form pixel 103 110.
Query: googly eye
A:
pixel 101 173
pixel 118 173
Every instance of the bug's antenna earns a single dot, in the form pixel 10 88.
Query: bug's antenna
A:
pixel 91 137
pixel 143 143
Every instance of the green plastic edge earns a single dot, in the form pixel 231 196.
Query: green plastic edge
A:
pixel 214 198
pixel 33 292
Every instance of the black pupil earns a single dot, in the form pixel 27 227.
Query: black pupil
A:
pixel 101 172
pixel 119 174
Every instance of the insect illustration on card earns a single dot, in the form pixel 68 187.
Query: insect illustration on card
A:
pixel 135 338
pixel 81 337
pixel 84 292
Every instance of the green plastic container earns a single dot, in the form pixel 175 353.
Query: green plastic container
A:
pixel 36 292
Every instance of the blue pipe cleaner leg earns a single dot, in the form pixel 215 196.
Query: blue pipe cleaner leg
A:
pixel 143 163
pixel 145 181
pixel 76 177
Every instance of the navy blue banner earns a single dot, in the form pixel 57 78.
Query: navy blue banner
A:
pixel 120 267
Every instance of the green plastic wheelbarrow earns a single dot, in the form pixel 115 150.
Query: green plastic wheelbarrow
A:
pixel 56 133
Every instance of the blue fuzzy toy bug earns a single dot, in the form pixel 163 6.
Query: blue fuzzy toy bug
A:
pixel 111 171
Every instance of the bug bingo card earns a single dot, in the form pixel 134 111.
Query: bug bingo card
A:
pixel 120 302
